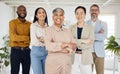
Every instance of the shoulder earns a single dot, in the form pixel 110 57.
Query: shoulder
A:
pixel 66 29
pixel 89 26
pixel 103 23
pixel 88 22
pixel 72 26
pixel 13 20
pixel 48 28
pixel 32 25
pixel 28 22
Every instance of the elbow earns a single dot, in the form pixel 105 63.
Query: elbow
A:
pixel 74 46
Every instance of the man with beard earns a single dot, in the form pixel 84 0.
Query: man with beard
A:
pixel 100 33
pixel 19 30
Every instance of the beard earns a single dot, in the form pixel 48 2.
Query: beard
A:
pixel 94 15
pixel 22 16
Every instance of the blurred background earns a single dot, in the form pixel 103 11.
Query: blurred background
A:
pixel 109 12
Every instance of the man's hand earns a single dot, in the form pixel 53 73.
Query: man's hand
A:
pixel 101 31
pixel 15 32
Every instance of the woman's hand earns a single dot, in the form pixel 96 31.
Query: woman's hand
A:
pixel 64 45
pixel 88 41
pixel 41 39
pixel 72 46
pixel 64 51
pixel 68 45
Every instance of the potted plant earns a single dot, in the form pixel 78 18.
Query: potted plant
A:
pixel 4 51
pixel 113 45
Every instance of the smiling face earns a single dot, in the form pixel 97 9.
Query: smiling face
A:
pixel 58 17
pixel 94 11
pixel 80 15
pixel 21 11
pixel 41 15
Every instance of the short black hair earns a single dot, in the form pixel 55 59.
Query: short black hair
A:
pixel 21 6
pixel 81 8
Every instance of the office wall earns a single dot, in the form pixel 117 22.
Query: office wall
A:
pixel 6 14
pixel 117 30
pixel 114 9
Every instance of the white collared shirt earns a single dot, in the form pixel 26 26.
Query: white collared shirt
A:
pixel 36 31
pixel 93 23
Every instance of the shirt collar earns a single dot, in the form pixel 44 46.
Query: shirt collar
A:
pixel 95 21
pixel 37 24
pixel 58 29
pixel 21 22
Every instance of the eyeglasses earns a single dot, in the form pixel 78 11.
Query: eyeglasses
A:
pixel 94 10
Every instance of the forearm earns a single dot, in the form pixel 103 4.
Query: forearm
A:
pixel 53 46
pixel 84 43
pixel 19 38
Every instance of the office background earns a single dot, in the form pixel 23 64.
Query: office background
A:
pixel 110 13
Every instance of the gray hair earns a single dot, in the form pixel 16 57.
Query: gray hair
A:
pixel 58 10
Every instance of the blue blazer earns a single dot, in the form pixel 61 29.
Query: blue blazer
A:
pixel 99 38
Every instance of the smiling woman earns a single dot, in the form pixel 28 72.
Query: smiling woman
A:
pixel 37 33
pixel 58 17
pixel 58 40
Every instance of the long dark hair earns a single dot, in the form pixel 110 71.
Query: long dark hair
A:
pixel 36 19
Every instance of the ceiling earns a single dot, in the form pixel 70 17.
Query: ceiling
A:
pixel 34 3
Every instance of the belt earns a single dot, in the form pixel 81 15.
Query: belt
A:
pixel 56 52
pixel 78 51
pixel 21 48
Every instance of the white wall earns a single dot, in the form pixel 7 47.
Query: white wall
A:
pixel 114 9
pixel 117 30
pixel 6 14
